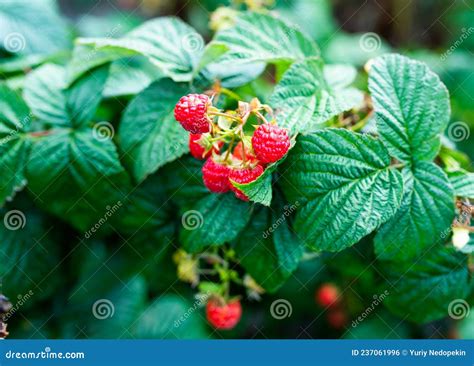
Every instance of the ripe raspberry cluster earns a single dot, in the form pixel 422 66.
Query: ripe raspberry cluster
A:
pixel 220 137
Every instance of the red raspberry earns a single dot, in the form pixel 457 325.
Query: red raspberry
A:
pixel 337 318
pixel 328 295
pixel 239 153
pixel 191 111
pixel 215 176
pixel 270 143
pixel 243 176
pixel 223 316
pixel 197 150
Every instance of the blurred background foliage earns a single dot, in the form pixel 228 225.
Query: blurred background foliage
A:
pixel 133 275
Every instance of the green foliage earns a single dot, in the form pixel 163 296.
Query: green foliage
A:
pixel 346 184
pixel 158 139
pixel 169 44
pixel 432 283
pixel 21 22
pixel 426 214
pixel 310 94
pixel 385 191
pixel 411 106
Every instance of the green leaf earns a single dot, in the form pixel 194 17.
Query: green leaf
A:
pixel 411 107
pixel 168 43
pixel 309 94
pixel 31 27
pixel 183 179
pixel 462 182
pixel 171 317
pixel 45 92
pixel 146 217
pixel 14 146
pixel 267 249
pixel 424 218
pixel 76 175
pixel 213 221
pixel 345 185
pixel 149 134
pixel 116 311
pixel 129 77
pixel 263 38
pixel 28 255
pixel 422 291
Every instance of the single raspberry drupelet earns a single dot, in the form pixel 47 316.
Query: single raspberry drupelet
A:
pixel 270 143
pixel 216 176
pixel 243 176
pixel 222 315
pixel 191 111
pixel 197 150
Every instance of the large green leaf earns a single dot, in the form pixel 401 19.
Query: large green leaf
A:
pixel 411 107
pixel 309 94
pixel 345 185
pixel 263 38
pixel 171 316
pixel 213 220
pixel 463 183
pixel 14 146
pixel 49 98
pixel 267 249
pixel 28 254
pixel 149 134
pixel 168 43
pixel 428 288
pixel 76 175
pixel 31 27
pixel 427 211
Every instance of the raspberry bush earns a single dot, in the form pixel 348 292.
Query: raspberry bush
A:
pixel 182 183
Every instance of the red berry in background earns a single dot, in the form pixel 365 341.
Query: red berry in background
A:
pixel 223 316
pixel 191 111
pixel 328 295
pixel 243 176
pixel 197 150
pixel 337 318
pixel 216 176
pixel 270 143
